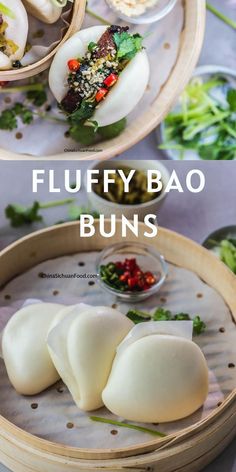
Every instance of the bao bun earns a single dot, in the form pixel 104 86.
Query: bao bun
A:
pixel 44 10
pixel 17 31
pixel 123 97
pixel 82 348
pixel 24 348
pixel 156 378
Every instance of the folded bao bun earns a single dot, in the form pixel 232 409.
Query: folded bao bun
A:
pixel 159 375
pixel 24 347
pixel 14 15
pixel 83 347
pixel 44 10
pixel 125 94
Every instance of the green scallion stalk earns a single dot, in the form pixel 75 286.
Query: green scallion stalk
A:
pixel 55 203
pixel 221 16
pixel 98 419
pixel 23 88
pixel 6 11
pixel 97 17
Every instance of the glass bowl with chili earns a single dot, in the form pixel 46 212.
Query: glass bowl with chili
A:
pixel 131 271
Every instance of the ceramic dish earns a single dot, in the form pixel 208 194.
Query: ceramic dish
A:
pixel 106 207
pixel 205 72
pixel 151 15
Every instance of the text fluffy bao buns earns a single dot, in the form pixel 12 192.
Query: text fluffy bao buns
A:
pixel 14 31
pixel 125 94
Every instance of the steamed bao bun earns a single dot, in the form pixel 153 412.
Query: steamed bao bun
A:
pixel 16 31
pixel 83 347
pixel 24 347
pixel 44 10
pixel 126 93
pixel 159 374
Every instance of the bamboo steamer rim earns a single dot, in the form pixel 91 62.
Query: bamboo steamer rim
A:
pixel 191 43
pixel 78 12
pixel 179 250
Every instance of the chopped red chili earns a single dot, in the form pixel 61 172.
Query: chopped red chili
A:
pixel 127 276
pixel 100 95
pixel 73 65
pixel 111 80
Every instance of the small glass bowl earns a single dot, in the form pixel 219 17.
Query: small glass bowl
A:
pixel 151 15
pixel 147 258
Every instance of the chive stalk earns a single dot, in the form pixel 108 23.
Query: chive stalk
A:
pixel 97 17
pixel 55 203
pixel 98 419
pixel 23 88
pixel 221 16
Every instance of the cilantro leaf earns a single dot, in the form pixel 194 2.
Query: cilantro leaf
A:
pixel 8 120
pixel 20 215
pixel 85 111
pixel 161 314
pixel 37 97
pixel 113 130
pixel 83 134
pixel 138 316
pixel 127 45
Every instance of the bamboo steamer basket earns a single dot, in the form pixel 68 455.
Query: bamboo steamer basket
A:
pixel 190 449
pixel 190 47
pixel 77 17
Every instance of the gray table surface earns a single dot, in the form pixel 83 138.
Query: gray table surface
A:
pixel 194 215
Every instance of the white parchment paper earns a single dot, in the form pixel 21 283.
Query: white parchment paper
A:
pixel 183 291
pixel 162 41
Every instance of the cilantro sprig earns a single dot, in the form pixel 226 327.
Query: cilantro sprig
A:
pixel 160 314
pixel 127 45
pixel 20 215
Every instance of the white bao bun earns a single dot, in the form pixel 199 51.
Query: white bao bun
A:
pixel 16 31
pixel 157 377
pixel 124 96
pixel 44 10
pixel 24 348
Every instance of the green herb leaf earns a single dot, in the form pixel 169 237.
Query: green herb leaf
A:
pixel 127 425
pixel 20 215
pixel 231 98
pixel 8 120
pixel 85 111
pixel 138 316
pixel 160 314
pixel 198 326
pixel 83 134
pixel 113 130
pixel 92 46
pixel 127 45
pixel 37 97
